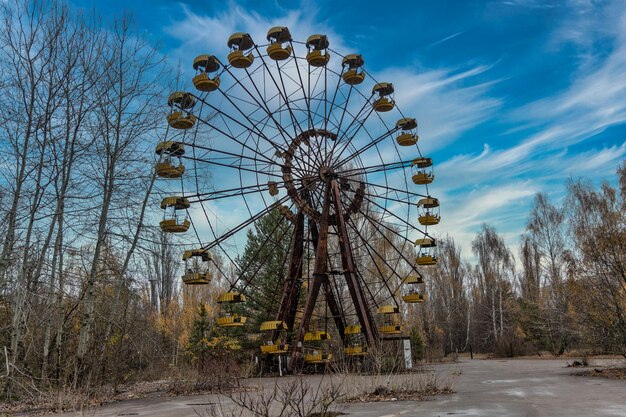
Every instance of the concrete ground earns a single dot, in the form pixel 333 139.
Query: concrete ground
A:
pixel 523 387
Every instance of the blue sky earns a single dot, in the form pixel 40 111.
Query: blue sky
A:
pixel 513 97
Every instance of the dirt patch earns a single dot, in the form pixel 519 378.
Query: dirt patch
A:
pixel 578 364
pixel 610 373
pixel 382 394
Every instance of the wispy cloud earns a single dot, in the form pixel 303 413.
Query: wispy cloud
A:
pixel 533 4
pixel 502 206
pixel 447 102
pixel 447 38
pixel 542 144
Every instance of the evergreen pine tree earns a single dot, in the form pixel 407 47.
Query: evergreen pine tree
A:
pixel 265 272
pixel 199 338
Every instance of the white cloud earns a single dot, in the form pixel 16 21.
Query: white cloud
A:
pixel 503 206
pixel 445 101
pixel 592 103
pixel 589 105
pixel 447 38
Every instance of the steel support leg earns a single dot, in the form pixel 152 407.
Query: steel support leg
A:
pixel 347 260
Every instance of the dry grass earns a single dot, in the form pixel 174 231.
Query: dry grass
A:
pixel 610 373
pixel 68 400
pixel 284 398
pixel 415 386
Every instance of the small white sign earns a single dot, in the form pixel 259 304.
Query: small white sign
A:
pixel 408 360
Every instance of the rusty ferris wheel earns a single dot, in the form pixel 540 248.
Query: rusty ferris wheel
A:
pixel 297 128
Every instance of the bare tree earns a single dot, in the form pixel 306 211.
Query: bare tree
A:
pixel 546 259
pixel 30 45
pixel 598 227
pixel 448 295
pixel 494 273
pixel 130 100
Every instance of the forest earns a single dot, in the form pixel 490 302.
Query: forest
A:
pixel 90 290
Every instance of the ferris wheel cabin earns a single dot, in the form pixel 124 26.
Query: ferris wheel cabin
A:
pixel 353 75
pixel 411 289
pixel 168 151
pixel 180 116
pixel 408 132
pixel 383 101
pixel 275 345
pixel 421 174
pixel 228 316
pixel 196 267
pixel 354 345
pixel 318 55
pixel 279 48
pixel 428 211
pixel 426 255
pixel 239 43
pixel 172 222
pixel 204 65
pixel 390 315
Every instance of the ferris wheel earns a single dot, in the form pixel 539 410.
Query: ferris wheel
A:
pixel 299 131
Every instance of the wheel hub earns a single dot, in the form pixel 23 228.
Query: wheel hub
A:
pixel 308 163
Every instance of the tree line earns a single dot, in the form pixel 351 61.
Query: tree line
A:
pixel 564 288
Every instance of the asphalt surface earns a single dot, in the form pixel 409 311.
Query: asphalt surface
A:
pixel 483 388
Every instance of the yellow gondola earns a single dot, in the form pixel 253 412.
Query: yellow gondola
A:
pixel 420 173
pixel 388 309
pixel 278 328
pixel 233 320
pixel 231 297
pixel 413 297
pixel 426 254
pixel 353 75
pixel 391 319
pixel 239 43
pixel 227 317
pixel 171 222
pixel 354 350
pixel 168 170
pixel 410 293
pixel 272 188
pixel 428 214
pixel 196 267
pixel 390 329
pixel 318 56
pixel 354 329
pixel 173 226
pixel 354 341
pixel 166 167
pixel 316 336
pixel 204 65
pixel 318 357
pixel 384 102
pixel 180 120
pixel 408 135
pixel 275 348
pixel 413 279
pixel 273 325
pixel 278 36
pixel 181 102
